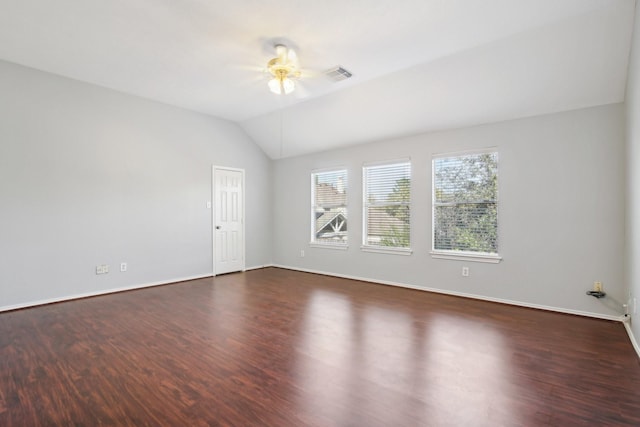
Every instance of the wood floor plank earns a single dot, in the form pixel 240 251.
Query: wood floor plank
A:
pixel 274 347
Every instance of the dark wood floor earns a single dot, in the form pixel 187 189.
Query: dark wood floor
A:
pixel 275 347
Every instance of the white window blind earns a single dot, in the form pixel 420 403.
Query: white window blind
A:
pixel 465 203
pixel 387 204
pixel 329 207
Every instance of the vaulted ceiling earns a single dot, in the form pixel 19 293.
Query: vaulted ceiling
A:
pixel 418 65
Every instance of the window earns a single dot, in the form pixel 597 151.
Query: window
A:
pixel 465 205
pixel 387 206
pixel 329 207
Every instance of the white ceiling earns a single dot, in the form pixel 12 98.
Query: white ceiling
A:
pixel 418 65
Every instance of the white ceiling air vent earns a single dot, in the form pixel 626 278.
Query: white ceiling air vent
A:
pixel 337 74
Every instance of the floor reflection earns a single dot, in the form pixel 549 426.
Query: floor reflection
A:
pixel 468 372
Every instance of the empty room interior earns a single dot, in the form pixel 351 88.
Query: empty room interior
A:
pixel 269 213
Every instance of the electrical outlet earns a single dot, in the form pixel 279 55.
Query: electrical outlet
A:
pixel 597 286
pixel 102 269
pixel 465 271
pixel 123 266
pixel 302 253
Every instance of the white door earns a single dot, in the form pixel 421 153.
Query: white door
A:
pixel 228 220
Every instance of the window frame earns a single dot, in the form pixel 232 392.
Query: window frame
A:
pixel 473 256
pixel 342 245
pixel 365 247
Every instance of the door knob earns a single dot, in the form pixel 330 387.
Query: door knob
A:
pixel 217 227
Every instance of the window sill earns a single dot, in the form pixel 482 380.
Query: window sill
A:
pixel 383 250
pixel 467 256
pixel 338 246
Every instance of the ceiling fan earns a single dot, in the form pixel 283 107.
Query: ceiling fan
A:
pixel 284 69
pixel 285 72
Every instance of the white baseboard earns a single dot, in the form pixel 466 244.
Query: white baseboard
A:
pixel 632 337
pixel 461 294
pixel 100 292
pixel 258 267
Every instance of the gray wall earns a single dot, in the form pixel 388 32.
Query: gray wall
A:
pixel 561 212
pixel 632 270
pixel 92 176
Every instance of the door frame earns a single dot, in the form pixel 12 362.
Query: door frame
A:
pixel 215 168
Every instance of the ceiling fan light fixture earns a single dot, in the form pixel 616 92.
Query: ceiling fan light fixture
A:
pixel 288 86
pixel 283 70
pixel 281 86
pixel 274 86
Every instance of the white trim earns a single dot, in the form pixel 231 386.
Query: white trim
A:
pixel 386 250
pixel 102 292
pixel 632 338
pixel 386 162
pixel 466 256
pixel 465 152
pixel 338 246
pixel 330 169
pixel 258 267
pixel 460 294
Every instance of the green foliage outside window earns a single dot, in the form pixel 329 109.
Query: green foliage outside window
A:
pixel 465 203
pixel 399 208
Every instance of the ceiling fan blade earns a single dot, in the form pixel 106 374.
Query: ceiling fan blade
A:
pixel 293 58
pixel 307 73
pixel 282 53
